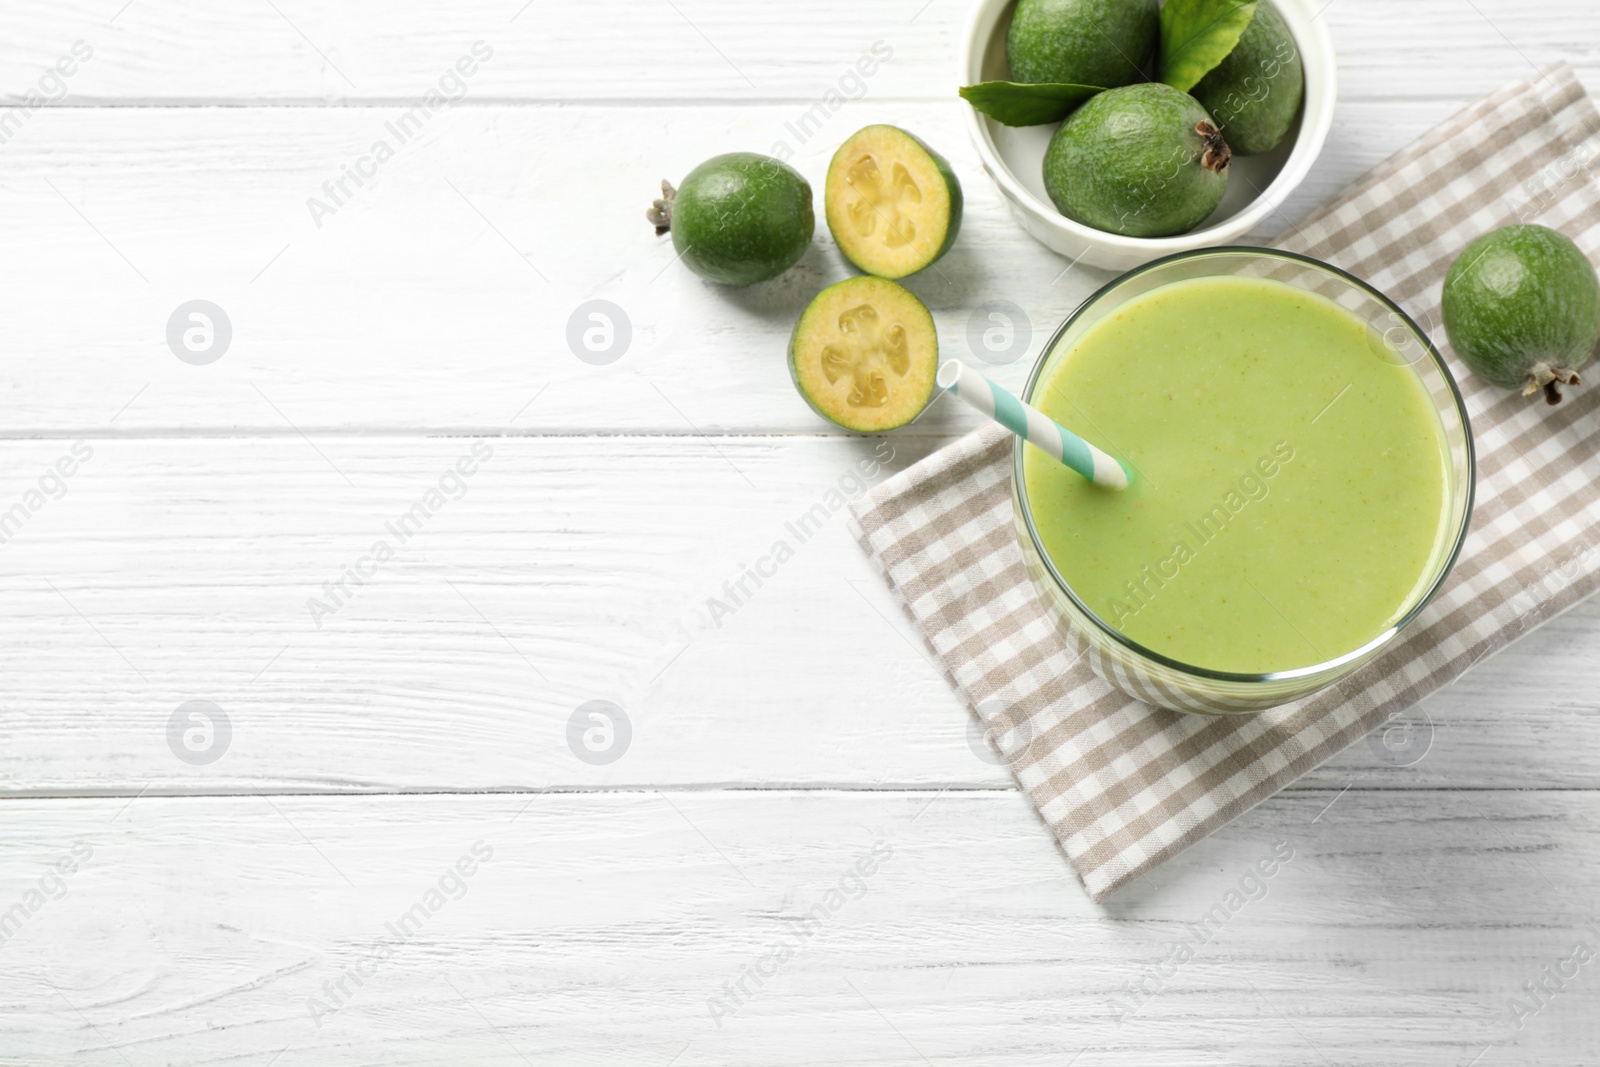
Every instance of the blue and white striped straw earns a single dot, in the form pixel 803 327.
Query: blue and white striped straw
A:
pixel 1033 426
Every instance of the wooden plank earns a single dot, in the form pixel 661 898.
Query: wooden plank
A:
pixel 439 297
pixel 294 51
pixel 1392 928
pixel 573 569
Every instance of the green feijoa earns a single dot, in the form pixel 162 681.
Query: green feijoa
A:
pixel 1254 94
pixel 737 219
pixel 1087 42
pixel 1142 161
pixel 1522 308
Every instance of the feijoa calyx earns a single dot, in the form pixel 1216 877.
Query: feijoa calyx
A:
pixel 737 219
pixel 864 354
pixel 1088 42
pixel 1142 161
pixel 1522 309
pixel 1255 93
pixel 892 203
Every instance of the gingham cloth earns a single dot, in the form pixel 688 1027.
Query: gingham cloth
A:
pixel 1126 786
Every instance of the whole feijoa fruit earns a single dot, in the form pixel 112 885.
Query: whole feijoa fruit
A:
pixel 1142 161
pixel 1086 42
pixel 737 219
pixel 1254 94
pixel 1522 308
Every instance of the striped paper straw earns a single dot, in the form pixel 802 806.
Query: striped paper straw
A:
pixel 1033 425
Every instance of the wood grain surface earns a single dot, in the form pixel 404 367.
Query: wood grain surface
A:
pixel 801 853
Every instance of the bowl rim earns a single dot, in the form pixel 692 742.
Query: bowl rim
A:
pixel 1316 122
pixel 1020 485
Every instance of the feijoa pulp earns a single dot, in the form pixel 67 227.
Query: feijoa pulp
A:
pixel 864 354
pixel 892 203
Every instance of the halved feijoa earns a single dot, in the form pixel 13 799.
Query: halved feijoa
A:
pixel 737 219
pixel 892 203
pixel 864 354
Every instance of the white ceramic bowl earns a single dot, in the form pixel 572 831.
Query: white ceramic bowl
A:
pixel 1257 185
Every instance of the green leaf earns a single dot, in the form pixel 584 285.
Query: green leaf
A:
pixel 1019 104
pixel 1196 35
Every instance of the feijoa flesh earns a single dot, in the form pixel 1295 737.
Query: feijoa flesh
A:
pixel 892 203
pixel 1088 42
pixel 864 354
pixel 1142 161
pixel 1522 309
pixel 737 219
pixel 1255 93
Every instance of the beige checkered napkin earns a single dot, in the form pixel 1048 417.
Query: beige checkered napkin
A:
pixel 1126 786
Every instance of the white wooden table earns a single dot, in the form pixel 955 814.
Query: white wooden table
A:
pixel 296 900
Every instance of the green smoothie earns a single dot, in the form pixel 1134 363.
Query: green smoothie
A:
pixel 1291 484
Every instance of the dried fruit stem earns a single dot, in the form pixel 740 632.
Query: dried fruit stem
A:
pixel 1549 380
pixel 1216 154
pixel 660 213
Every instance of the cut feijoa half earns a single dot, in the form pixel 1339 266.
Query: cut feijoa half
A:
pixel 892 203
pixel 864 355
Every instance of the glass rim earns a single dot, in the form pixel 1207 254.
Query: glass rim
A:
pixel 1020 486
